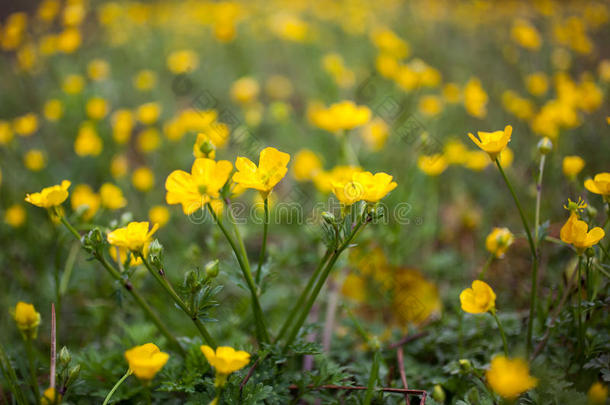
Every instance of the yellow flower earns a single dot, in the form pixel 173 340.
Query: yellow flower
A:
pixel 306 165
pixel 506 157
pixel 73 84
pixel 120 254
pixel 133 237
pixel 364 186
pixel 27 319
pixel 597 394
pixel 146 361
pixel 576 233
pixel 526 35
pixel 25 125
pixel 478 299
pixel 50 397
pixel 455 152
pixel 498 241
pixel 88 142
pixel 15 215
pixel 148 113
pixel 68 40
pixel 200 187
pixel 272 167
pixel 375 134
pixel 84 196
pixel 53 110
pixel 112 197
pixel 145 80
pixel 6 133
pixel 97 108
pixel 245 90
pixel 600 184
pixel 118 166
pixel 278 87
pixel 158 214
pixel 98 69
pixel 572 165
pixel 149 140
pixel 34 160
pixel 451 93
pixel 338 174
pixel 475 99
pixel 430 105
pixel 122 124
pixel 49 196
pixel 509 378
pixel 493 142
pixel 390 43
pixel 432 165
pixel 204 147
pixel 143 179
pixel 476 160
pixel 225 360
pixel 182 61
pixel 537 83
pixel 344 115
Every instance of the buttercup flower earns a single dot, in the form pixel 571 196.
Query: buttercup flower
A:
pixel 344 115
pixel 363 186
pixel 225 360
pixel 146 361
pixel 493 142
pixel 84 196
pixel 143 178
pixel 597 394
pixel 306 165
pixel 50 397
pixel 498 241
pixel 432 165
pixel 112 197
pixel 245 90
pixel 200 187
pixel 272 167
pixel 27 319
pixel 509 378
pixel 204 147
pixel 15 215
pixel 49 196
pixel 158 214
pixel 576 233
pixel 478 299
pixel 600 184
pixel 572 165
pixel 133 237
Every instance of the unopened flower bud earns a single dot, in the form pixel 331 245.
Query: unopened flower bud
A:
pixel 64 356
pixel 328 217
pixel 545 146
pixel 438 393
pixel 212 269
pixel 465 365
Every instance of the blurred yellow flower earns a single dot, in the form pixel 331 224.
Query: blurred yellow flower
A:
pixel 387 65
pixel 15 215
pixel 158 214
pixel 112 197
pixel 600 184
pixel 146 361
pixel 375 134
pixel 133 237
pixel 506 157
pixel 537 83
pixel 478 299
pixel 572 165
pixel 272 167
pixel 225 360
pixel 97 108
pixel 289 27
pixel 49 196
pixel 98 69
pixel 182 61
pixel 145 80
pixel 245 90
pixel 194 190
pixel 338 174
pixel 143 178
pixel 27 319
pixel 35 160
pixel 87 142
pixel 344 115
pixel 604 70
pixel 84 197
pixel 498 241
pixel 597 394
pixel 6 133
pixel 475 98
pixel 50 397
pixel 389 43
pixel 477 160
pixel 122 125
pixel 355 287
pixel 493 142
pixel 430 105
pixel 73 84
pixel 451 93
pixel 53 110
pixel 118 166
pixel 577 233
pixel 306 165
pixel 149 140
pixel 148 113
pixel 69 40
pixel 509 378
pixel 432 165
pixel 526 35
pixel 278 87
pixel 47 10
pixel 455 152
pixel 25 125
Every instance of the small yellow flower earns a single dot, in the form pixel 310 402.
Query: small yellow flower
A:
pixel 597 394
pixel 145 80
pixel 146 361
pixel 344 115
pixel 245 90
pixel 97 108
pixel 526 35
pixel 572 165
pixel 455 152
pixel 364 186
pixel 225 360
pixel 498 241
pixel 201 186
pixel 15 215
pixel 476 160
pixel 88 142
pixel 537 83
pixel 98 69
pixel 272 167
pixel 69 40
pixel 493 142
pixel 148 113
pixel 278 87
pixel 600 184
pixel 306 165
pixel 112 197
pixel 375 134
pixel 204 146
pixel 49 196
pixel 118 166
pixel 159 214
pixel 143 179
pixel 509 378
pixel 183 61
pixel 478 299
pixel 53 110
pixel 25 125
pixel 6 132
pixel 133 237
pixel 430 105
pixel 339 174
pixel 50 397
pixel 73 84
pixel 576 233
pixel 34 160
pixel 149 140
pixel 27 319
pixel 432 165
pixel 122 125
pixel 84 196
pixel 475 98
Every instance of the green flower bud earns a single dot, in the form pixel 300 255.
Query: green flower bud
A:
pixel 545 146
pixel 212 269
pixel 64 356
pixel 438 393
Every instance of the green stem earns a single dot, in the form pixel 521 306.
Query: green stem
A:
pixel 299 304
pixel 261 257
pixel 493 313
pixel 116 386
pixel 134 293
pixel 30 353
pixel 538 199
pixel 320 283
pixel 530 322
pixel 65 277
pixel 370 389
pixel 245 268
pixel 172 293
pixel 579 307
pixel 486 266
